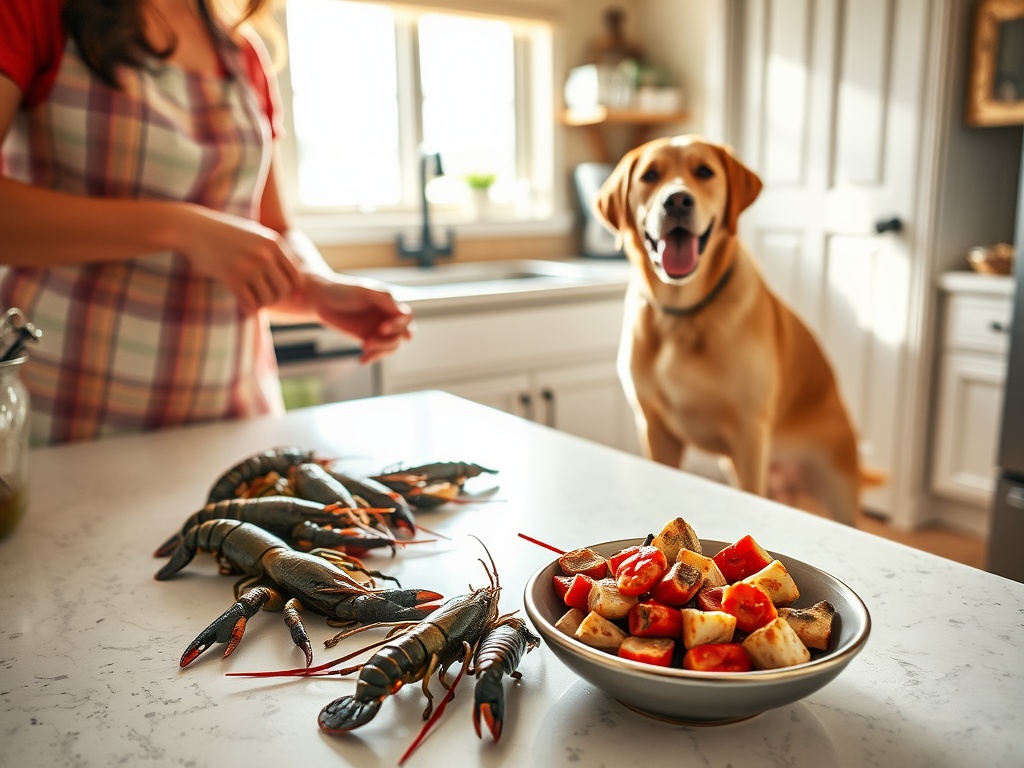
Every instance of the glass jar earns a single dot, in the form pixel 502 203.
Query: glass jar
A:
pixel 13 445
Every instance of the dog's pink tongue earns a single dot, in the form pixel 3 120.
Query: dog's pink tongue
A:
pixel 678 251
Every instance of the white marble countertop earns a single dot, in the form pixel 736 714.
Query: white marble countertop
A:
pixel 966 281
pixel 90 642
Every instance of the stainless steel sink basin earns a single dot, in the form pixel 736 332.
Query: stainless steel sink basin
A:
pixel 492 277
pixel 448 275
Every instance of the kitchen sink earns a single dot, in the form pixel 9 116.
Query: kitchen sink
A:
pixel 513 276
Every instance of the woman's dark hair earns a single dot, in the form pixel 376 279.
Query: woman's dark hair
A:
pixel 109 33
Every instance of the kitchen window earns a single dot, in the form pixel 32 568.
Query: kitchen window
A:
pixel 371 86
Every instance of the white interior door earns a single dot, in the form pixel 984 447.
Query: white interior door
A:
pixel 830 118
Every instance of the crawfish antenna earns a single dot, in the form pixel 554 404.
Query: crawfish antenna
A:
pixel 492 572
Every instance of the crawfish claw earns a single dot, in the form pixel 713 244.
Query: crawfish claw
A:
pixel 228 627
pixel 490 706
pixel 347 713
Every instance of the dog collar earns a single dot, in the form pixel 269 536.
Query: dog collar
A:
pixel 694 308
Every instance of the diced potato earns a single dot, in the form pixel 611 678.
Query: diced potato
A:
pixel 712 575
pixel 585 561
pixel 701 627
pixel 775 580
pixel 606 600
pixel 597 632
pixel 812 625
pixel 570 621
pixel 776 645
pixel 677 534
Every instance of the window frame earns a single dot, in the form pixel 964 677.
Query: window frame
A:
pixel 536 142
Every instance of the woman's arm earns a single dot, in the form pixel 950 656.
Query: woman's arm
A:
pixel 45 228
pixel 359 308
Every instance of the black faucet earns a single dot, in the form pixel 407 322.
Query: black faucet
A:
pixel 426 253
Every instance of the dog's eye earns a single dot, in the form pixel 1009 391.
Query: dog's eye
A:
pixel 650 176
pixel 703 172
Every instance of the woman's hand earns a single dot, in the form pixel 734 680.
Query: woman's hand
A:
pixel 362 310
pixel 254 262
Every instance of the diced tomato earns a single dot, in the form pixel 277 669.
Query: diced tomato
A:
pixel 578 591
pixel 650 650
pixel 742 559
pixel 585 561
pixel 561 585
pixel 651 619
pixel 710 598
pixel 623 554
pixel 718 657
pixel 641 571
pixel 750 605
pixel 679 585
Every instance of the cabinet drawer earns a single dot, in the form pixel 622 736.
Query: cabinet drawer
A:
pixel 475 344
pixel 979 323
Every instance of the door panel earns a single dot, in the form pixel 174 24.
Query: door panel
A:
pixel 832 96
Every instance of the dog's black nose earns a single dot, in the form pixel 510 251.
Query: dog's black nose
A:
pixel 679 203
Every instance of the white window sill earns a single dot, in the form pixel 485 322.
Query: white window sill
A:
pixel 343 229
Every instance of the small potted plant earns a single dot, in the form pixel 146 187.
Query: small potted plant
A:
pixel 480 191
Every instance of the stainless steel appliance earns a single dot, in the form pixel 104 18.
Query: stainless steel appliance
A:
pixel 317 365
pixel 1006 537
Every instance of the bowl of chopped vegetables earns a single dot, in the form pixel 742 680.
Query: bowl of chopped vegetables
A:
pixel 696 643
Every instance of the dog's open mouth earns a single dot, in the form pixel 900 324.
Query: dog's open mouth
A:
pixel 679 250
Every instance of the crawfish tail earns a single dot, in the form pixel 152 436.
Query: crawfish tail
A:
pixel 498 655
pixel 273 460
pixel 188 547
pixel 347 713
pixel 277 514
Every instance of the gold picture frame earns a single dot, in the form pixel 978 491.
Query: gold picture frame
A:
pixel 995 94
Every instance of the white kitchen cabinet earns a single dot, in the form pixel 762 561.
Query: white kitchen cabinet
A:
pixel 972 370
pixel 552 363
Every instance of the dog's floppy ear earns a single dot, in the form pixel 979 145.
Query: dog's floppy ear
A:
pixel 612 203
pixel 744 187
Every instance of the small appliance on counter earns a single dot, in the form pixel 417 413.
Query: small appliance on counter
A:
pixel 596 240
pixel 317 365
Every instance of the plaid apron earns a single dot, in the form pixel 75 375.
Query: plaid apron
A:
pixel 148 343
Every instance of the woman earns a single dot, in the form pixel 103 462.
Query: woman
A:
pixel 141 226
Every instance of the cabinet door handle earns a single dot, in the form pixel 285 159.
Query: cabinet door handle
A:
pixel 527 402
pixel 549 403
pixel 997 327
pixel 894 225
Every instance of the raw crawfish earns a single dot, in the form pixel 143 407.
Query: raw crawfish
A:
pixel 301 523
pixel 464 627
pixel 373 493
pixel 313 579
pixel 263 473
pixel 498 655
pixel 278 460
pixel 430 485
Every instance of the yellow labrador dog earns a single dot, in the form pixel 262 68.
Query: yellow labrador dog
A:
pixel 710 357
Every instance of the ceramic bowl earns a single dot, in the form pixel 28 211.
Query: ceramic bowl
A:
pixel 705 698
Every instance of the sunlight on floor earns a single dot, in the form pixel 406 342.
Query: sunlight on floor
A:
pixel 961 547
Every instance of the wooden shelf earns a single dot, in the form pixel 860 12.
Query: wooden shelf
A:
pixel 594 120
